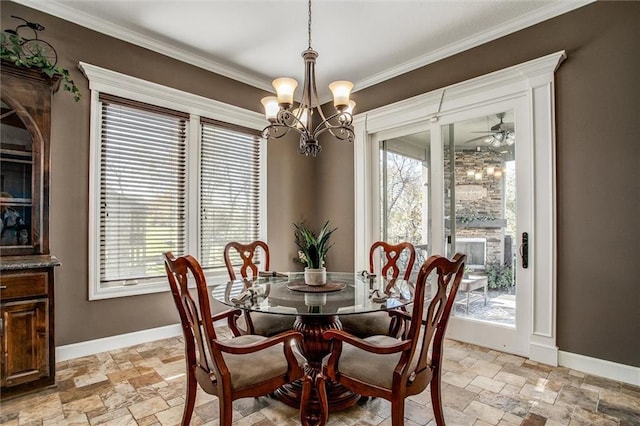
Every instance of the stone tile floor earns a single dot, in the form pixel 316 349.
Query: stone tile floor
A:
pixel 144 385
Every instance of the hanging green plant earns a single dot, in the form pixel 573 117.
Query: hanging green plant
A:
pixel 34 53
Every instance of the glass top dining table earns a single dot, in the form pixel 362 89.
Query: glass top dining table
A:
pixel 343 294
pixel 316 309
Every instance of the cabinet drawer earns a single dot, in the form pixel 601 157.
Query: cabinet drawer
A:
pixel 22 285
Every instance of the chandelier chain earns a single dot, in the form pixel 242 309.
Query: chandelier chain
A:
pixel 309 25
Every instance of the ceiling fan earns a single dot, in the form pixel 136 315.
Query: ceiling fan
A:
pixel 501 134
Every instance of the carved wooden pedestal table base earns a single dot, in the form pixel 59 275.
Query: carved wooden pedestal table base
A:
pixel 314 349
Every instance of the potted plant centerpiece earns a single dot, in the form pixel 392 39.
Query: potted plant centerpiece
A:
pixel 313 250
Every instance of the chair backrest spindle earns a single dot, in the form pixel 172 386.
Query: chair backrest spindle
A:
pixel 392 252
pixel 247 253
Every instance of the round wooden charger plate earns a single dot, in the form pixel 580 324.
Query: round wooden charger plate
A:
pixel 328 287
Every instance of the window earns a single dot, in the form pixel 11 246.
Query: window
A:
pixel 165 178
pixel 142 190
pixel 229 190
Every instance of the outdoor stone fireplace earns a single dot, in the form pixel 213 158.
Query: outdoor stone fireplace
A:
pixel 480 207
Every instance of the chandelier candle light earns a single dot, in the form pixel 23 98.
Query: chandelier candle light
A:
pixel 282 118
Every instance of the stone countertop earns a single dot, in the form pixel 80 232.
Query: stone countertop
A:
pixel 14 263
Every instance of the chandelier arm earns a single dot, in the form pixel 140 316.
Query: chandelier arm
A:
pixel 343 130
pixel 272 131
pixel 346 133
pixel 344 120
pixel 332 131
pixel 286 118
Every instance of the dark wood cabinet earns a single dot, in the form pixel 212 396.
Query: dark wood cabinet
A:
pixel 27 346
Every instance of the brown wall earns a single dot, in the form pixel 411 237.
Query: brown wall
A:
pixel 598 179
pixel 77 319
pixel 598 165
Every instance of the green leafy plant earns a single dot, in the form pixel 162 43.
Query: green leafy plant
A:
pixel 313 248
pixel 466 219
pixel 12 50
pixel 499 276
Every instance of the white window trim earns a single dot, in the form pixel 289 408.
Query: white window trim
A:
pixel 532 80
pixel 102 80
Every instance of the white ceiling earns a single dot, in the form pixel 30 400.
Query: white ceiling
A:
pixel 255 41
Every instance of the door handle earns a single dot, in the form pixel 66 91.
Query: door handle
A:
pixel 524 250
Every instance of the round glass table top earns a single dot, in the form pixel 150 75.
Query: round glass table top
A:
pixel 344 294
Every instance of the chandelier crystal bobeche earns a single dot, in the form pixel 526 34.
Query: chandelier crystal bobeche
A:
pixel 283 118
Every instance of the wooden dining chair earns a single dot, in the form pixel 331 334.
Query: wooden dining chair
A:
pixel 254 322
pixel 375 323
pixel 391 368
pixel 239 367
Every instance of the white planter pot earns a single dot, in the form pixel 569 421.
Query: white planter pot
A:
pixel 315 276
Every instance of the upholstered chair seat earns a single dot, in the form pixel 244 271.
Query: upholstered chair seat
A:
pixel 369 324
pixel 249 369
pixel 266 324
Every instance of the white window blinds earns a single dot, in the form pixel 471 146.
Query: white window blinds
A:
pixel 229 189
pixel 142 190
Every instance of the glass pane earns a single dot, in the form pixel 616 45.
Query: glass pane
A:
pixel 404 193
pixel 16 154
pixel 480 213
pixel 230 192
pixel 143 193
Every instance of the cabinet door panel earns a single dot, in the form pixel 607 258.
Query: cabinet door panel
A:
pixel 24 342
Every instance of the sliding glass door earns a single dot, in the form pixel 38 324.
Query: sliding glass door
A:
pixel 455 187
pixel 486 164
pixel 486 154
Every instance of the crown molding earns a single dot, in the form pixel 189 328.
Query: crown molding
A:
pixel 60 10
pixel 94 23
pixel 540 15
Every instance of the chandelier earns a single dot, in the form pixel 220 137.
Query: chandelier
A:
pixel 283 118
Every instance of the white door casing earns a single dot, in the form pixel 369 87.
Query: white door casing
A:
pixel 531 82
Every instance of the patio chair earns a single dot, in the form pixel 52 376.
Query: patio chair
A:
pixel 239 367
pixel 375 323
pixel 254 322
pixel 393 369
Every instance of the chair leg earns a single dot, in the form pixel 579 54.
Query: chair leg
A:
pixel 306 417
pixel 397 412
pixel 304 400
pixel 436 397
pixel 321 389
pixel 190 402
pixel 225 407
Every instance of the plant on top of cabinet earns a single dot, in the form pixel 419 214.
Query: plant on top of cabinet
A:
pixel 22 47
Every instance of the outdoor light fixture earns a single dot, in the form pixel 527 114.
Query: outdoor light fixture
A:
pixel 282 118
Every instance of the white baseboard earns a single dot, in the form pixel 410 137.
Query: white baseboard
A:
pixel 543 353
pixel 91 347
pixel 600 367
